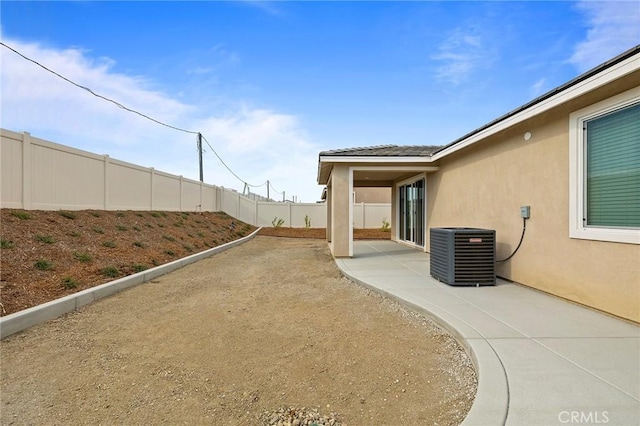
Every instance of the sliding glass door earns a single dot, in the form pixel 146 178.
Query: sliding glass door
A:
pixel 412 211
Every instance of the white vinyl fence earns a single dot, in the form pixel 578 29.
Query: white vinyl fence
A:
pixel 40 175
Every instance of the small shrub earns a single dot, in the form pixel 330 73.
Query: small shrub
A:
pixel 190 235
pixel 201 234
pixel 160 225
pixel 69 283
pixel 75 234
pixel 67 214
pixel 307 221
pixel 148 225
pixel 120 214
pixel 169 238
pixel 277 222
pixel 98 230
pixel 170 252
pixel 138 268
pixel 187 248
pixel 139 214
pixel 110 271
pixel 178 224
pixel 121 228
pixel 385 225
pixel 139 244
pixel 154 262
pixel 83 257
pixel 95 214
pixel 137 228
pixel 155 214
pixel 6 244
pixel 47 239
pixel 109 244
pixel 21 215
pixel 43 265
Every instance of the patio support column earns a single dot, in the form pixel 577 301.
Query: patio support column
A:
pixel 341 226
pixel 394 212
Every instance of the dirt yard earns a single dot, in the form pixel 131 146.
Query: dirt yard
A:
pixel 259 334
pixel 50 254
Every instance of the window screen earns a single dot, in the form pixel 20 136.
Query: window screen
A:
pixel 613 169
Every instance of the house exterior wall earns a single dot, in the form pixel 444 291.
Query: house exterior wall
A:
pixel 486 184
pixel 372 195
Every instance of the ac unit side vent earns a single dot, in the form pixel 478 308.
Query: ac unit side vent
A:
pixel 463 256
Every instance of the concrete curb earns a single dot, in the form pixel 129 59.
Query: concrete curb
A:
pixel 22 320
pixel 491 404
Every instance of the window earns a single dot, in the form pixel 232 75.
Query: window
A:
pixel 605 170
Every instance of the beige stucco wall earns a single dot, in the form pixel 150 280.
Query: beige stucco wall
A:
pixel 372 195
pixel 340 204
pixel 485 185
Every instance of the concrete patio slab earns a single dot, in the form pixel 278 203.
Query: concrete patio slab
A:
pixel 541 360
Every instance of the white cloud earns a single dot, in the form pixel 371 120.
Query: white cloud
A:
pixel 258 144
pixel 614 26
pixel 538 88
pixel 460 55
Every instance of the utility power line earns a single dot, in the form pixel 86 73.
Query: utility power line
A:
pixel 119 105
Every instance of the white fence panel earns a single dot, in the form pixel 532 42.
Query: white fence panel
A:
pixel 190 195
pixel 247 210
pixel 267 212
pixel 317 214
pixel 129 186
pixel 11 159
pixel 64 178
pixel 371 215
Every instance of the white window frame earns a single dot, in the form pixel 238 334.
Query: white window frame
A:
pixel 577 229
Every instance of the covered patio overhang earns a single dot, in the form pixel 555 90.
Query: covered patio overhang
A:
pixel 341 172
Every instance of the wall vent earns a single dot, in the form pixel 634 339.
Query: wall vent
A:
pixel 463 256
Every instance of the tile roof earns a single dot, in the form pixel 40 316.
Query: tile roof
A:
pixel 383 151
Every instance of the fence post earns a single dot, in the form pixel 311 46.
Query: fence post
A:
pixel 364 225
pixel 180 206
pixel 151 185
pixel 107 164
pixel 26 170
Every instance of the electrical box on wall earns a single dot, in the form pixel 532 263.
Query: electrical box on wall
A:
pixel 525 212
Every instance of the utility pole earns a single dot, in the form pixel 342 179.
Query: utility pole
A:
pixel 200 155
pixel 283 196
pixel 267 189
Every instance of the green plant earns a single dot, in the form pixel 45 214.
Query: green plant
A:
pixel 43 265
pixel 139 214
pixel 201 234
pixel 98 230
pixel 6 244
pixel 178 224
pixel 160 225
pixel 155 214
pixel 95 214
pixel 69 283
pixel 21 215
pixel 83 257
pixel 148 225
pixel 121 228
pixel 277 222
pixel 67 214
pixel 120 214
pixel 307 221
pixel 188 248
pixel 169 238
pixel 138 268
pixel 136 228
pixel 110 271
pixel 139 244
pixel 74 234
pixel 47 239
pixel 385 225
pixel 109 244
pixel 170 252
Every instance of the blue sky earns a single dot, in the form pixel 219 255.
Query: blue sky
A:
pixel 271 84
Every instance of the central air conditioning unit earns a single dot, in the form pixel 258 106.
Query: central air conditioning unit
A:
pixel 463 256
